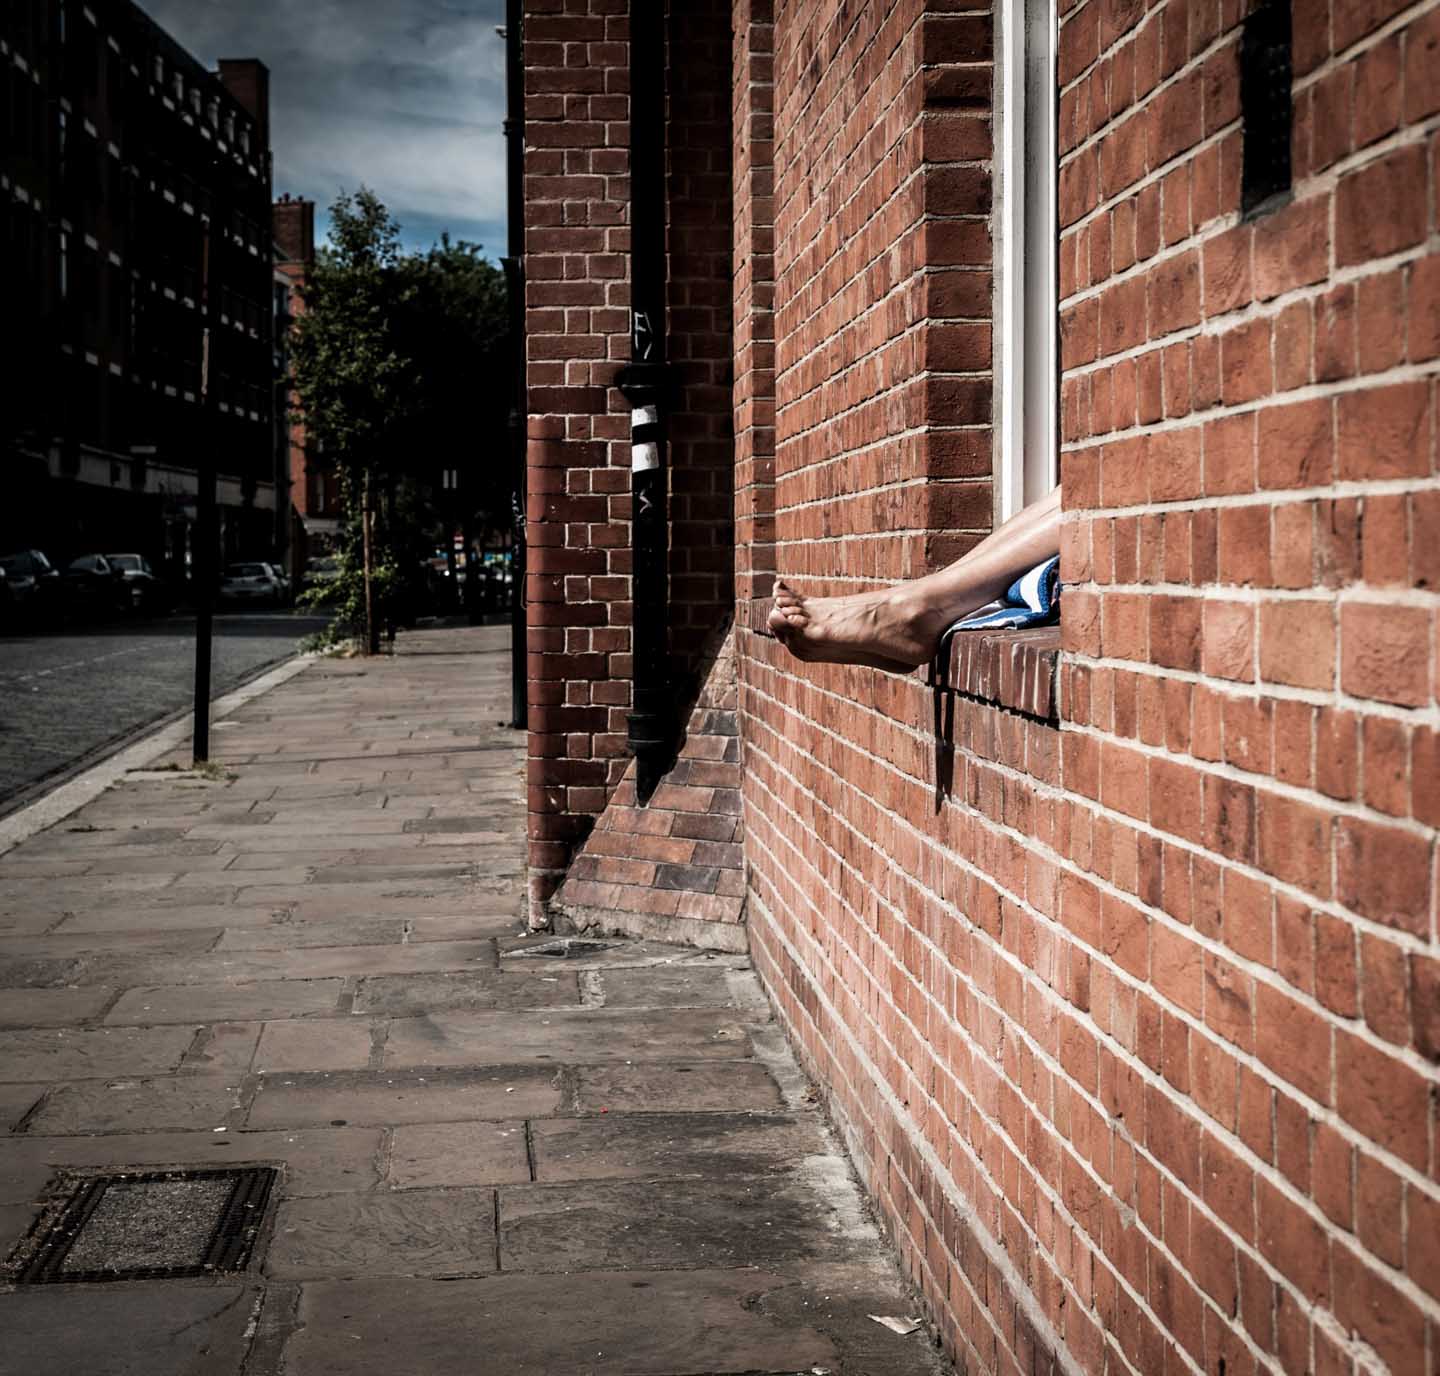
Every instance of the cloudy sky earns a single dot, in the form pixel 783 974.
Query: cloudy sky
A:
pixel 406 96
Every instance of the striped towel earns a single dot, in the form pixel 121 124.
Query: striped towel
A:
pixel 1033 599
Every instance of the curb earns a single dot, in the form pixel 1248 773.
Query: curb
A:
pixel 73 794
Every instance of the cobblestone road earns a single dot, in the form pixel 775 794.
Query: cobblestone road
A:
pixel 65 693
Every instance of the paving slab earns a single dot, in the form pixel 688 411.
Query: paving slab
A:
pixel 16 1220
pixel 292 935
pixel 154 1329
pixel 40 972
pixel 406 1096
pixel 397 1233
pixel 64 1054
pixel 178 1103
pixel 666 1087
pixel 595 1225
pixel 402 995
pixel 614 1324
pixel 260 1001
pixel 577 1037
pixel 224 1048
pixel 68 945
pixel 111 920
pixel 683 986
pixel 249 967
pixel 323 1161
pixel 315 1044
pixel 655 1145
pixel 430 1155
pixel 51 1007
pixel 546 949
pixel 15 1102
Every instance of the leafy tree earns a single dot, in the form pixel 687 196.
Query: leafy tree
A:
pixel 354 383
pixel 402 373
pixel 454 325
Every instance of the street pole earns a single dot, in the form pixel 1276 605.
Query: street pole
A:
pixel 372 628
pixel 203 552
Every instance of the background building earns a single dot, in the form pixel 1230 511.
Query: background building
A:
pixel 131 179
pixel 313 510
pixel 1126 997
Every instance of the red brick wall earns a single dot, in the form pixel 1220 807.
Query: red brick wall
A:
pixel 753 239
pixel 577 330
pixel 1136 1039
pixel 577 327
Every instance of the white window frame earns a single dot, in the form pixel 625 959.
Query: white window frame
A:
pixel 1027 356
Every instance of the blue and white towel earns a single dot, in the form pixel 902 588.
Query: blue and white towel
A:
pixel 1033 599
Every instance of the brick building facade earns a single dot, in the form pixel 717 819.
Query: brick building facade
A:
pixel 1127 1002
pixel 121 154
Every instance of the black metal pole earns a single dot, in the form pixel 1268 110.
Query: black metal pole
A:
pixel 646 385
pixel 515 287
pixel 202 553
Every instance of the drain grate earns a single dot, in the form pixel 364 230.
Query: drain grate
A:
pixel 153 1225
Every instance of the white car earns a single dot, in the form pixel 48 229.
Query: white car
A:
pixel 251 583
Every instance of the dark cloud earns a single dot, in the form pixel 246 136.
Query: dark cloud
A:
pixel 406 96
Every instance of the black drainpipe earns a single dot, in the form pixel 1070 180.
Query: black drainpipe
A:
pixel 646 385
pixel 514 265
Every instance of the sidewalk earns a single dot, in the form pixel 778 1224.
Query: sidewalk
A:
pixel 494 1157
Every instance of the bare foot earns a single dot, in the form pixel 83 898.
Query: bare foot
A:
pixel 892 629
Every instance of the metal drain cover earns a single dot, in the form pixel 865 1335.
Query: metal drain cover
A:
pixel 151 1225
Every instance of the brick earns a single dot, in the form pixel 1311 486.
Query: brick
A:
pixel 1385 652
pixel 1297 643
pixel 1230 455
pixel 1422 54
pixel 1383 1098
pixel 1336 979
pixel 1292 247
pixel 1384 873
pixel 1333 1174
pixel 1384 432
pixel 1294 842
pixel 1296 444
pixel 1292 1241
pixel 1228 640
pixel 1389 1321
pixel 1294 1042
pixel 1380 208
pixel 1425 1004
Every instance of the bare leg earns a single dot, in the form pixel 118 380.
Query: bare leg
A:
pixel 898 628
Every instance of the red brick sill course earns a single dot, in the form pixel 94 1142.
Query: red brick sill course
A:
pixel 1015 670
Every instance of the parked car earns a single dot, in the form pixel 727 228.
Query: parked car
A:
pixel 146 593
pixel 94 587
pixel 251 583
pixel 287 593
pixel 320 574
pixel 33 584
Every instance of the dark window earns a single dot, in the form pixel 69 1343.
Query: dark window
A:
pixel 1265 104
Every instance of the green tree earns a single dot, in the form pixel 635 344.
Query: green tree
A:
pixel 454 324
pixel 402 374
pixel 356 385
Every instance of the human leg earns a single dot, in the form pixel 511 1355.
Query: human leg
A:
pixel 898 628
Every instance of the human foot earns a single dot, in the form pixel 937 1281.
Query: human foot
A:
pixel 892 629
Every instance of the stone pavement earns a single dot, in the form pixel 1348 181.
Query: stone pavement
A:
pixel 498 1153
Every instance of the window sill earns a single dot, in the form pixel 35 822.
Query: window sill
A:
pixel 1016 670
